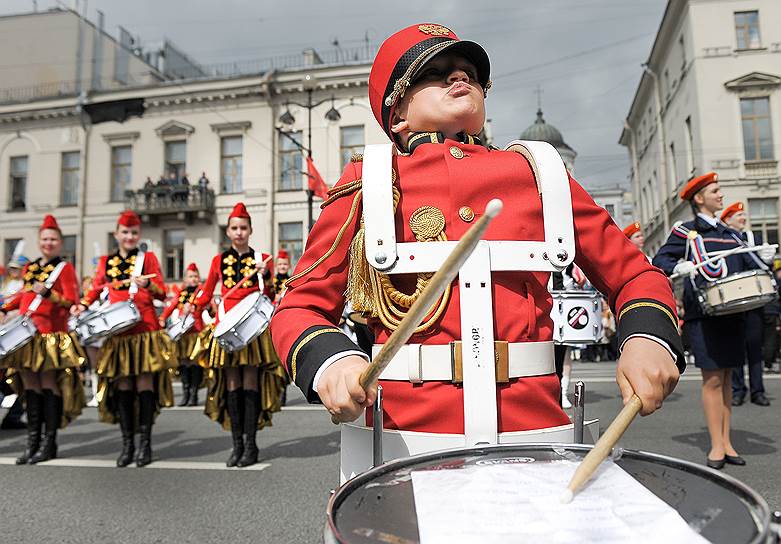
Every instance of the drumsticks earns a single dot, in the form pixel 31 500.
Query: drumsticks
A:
pixel 247 276
pixel 602 448
pixel 120 283
pixel 436 286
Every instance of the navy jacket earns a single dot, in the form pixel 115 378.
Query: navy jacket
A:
pixel 718 238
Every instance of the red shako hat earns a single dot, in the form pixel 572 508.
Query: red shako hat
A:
pixel 282 254
pixel 192 267
pixel 129 218
pixel 240 210
pixel 49 222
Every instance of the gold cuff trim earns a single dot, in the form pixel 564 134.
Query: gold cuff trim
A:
pixel 308 338
pixel 649 305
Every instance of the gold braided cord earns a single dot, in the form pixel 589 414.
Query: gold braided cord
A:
pixel 339 235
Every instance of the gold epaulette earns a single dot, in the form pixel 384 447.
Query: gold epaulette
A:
pixel 338 191
pixel 356 157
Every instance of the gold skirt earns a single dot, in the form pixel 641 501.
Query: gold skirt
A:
pixel 47 351
pixel 272 379
pixel 185 346
pixel 125 356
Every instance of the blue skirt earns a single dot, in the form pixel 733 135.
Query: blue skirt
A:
pixel 718 342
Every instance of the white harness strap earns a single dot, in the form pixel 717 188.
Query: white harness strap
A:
pixel 138 269
pixel 555 253
pixel 50 281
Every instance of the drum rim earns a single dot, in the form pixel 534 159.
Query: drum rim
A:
pixel 746 493
pixel 744 274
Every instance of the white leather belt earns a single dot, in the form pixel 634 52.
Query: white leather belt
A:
pixel 418 363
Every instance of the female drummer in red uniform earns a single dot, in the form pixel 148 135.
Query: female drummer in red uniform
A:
pixel 132 365
pixel 190 371
pixel 245 386
pixel 48 364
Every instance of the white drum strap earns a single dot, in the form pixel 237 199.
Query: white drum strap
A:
pixel 379 223
pixel 138 269
pixel 50 281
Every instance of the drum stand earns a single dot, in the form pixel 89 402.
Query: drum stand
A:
pixel 578 417
pixel 377 425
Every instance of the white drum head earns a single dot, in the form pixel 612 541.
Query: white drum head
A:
pixel 235 314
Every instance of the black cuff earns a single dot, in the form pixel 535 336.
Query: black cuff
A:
pixel 651 317
pixel 310 351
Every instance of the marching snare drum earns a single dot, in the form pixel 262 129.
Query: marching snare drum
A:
pixel 180 327
pixel 379 505
pixel 577 317
pixel 15 334
pixel 738 293
pixel 108 320
pixel 244 322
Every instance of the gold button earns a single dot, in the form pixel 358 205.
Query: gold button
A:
pixel 466 213
pixel 456 152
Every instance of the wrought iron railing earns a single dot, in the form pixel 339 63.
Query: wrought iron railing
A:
pixel 168 199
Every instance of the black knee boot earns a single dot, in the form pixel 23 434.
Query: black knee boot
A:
pixel 146 414
pixel 185 373
pixel 125 407
pixel 251 412
pixel 235 402
pixel 196 375
pixel 51 417
pixel 34 403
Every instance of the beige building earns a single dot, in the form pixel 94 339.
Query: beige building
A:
pixel 709 99
pixel 86 157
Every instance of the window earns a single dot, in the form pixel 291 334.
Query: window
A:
pixel 174 254
pixel 69 178
pixel 111 244
pixel 18 183
pixel 175 159
pixel 9 245
pixel 69 249
pixel 231 164
pixel 611 209
pixel 667 86
pixel 673 166
pixel 290 161
pixel 747 29
pixel 757 138
pixel 291 238
pixel 121 157
pixel 683 53
pixel 351 141
pixel 763 214
pixel 225 243
pixel 690 148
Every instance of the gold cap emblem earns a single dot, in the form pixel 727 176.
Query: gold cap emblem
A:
pixel 456 152
pixel 434 30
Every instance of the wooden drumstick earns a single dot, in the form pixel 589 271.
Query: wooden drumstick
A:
pixel 436 286
pixel 602 448
pixel 119 283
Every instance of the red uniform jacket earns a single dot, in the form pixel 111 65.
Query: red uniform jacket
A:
pixel 181 297
pixel 52 314
pixel 432 175
pixel 113 268
pixel 228 268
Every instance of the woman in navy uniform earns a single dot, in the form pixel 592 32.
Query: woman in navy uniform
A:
pixel 717 342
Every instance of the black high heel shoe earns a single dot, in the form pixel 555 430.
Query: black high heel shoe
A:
pixel 735 460
pixel 717 464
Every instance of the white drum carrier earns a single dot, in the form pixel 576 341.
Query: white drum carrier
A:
pixel 244 322
pixel 417 363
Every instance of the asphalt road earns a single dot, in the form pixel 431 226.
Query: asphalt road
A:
pixel 188 496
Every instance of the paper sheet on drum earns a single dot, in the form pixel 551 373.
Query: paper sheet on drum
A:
pixel 517 501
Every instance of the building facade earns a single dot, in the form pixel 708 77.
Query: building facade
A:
pixel 86 157
pixel 709 100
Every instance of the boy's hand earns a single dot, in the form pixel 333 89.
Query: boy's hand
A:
pixel 341 392
pixel 646 368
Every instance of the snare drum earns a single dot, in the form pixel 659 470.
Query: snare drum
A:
pixel 244 322
pixel 738 293
pixel 108 320
pixel 378 505
pixel 15 334
pixel 180 327
pixel 577 317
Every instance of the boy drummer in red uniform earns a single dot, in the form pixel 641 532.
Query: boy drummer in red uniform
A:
pixel 427 91
pixel 245 386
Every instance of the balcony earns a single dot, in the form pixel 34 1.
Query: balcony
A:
pixel 761 169
pixel 187 203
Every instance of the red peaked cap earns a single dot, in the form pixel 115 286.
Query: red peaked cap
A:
pixel 694 186
pixel 49 222
pixel 129 218
pixel 282 254
pixel 240 210
pixel 631 229
pixel 731 210
pixel 192 267
pixel 401 57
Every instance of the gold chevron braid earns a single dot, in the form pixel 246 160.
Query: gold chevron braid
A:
pixel 648 305
pixel 308 338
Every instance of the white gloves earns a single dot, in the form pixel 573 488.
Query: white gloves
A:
pixel 684 268
pixel 766 253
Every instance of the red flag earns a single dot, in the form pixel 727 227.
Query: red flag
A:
pixel 316 183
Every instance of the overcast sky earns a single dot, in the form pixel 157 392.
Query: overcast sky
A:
pixel 584 54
